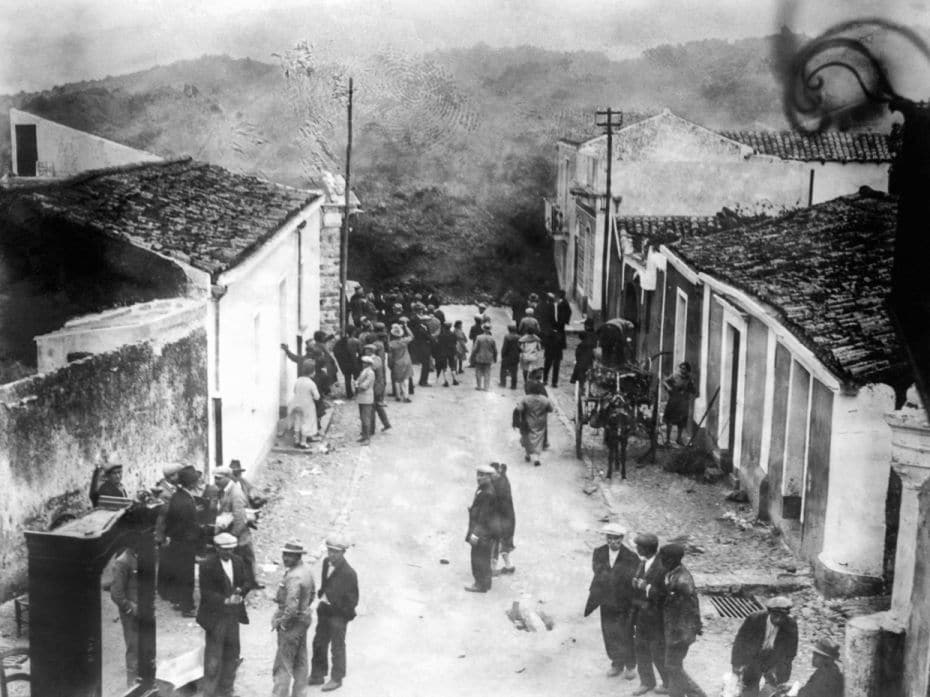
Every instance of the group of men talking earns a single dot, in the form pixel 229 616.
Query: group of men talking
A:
pixel 650 616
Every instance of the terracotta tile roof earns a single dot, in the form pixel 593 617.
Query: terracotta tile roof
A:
pixel 827 271
pixel 830 146
pixel 643 230
pixel 199 213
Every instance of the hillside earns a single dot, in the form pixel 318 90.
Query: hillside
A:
pixel 453 150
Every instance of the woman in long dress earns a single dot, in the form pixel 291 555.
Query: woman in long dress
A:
pixel 534 409
pixel 303 406
pixel 681 391
pixel 530 352
pixel 399 360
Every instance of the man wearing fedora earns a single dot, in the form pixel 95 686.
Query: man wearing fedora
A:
pixel 182 532
pixel 611 590
pixel 291 621
pixel 224 583
pixel 338 598
pixel 648 596
pixel 827 679
pixel 254 499
pixel 765 646
pixel 482 532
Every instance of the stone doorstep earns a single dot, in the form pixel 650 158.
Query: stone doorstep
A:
pixel 324 429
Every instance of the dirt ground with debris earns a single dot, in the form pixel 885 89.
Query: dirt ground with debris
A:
pixel 402 503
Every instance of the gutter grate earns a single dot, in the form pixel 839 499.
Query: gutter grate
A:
pixel 735 606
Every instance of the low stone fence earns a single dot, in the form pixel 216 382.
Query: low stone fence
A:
pixel 134 405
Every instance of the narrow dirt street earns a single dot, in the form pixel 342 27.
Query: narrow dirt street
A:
pixel 402 504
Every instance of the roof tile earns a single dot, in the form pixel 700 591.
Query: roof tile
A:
pixel 827 271
pixel 201 213
pixel 830 146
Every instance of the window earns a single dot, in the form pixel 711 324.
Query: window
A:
pixel 580 240
pixel 679 350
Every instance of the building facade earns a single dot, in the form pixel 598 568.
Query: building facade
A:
pixel 797 364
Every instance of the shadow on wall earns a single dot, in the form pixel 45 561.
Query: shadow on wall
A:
pixel 52 271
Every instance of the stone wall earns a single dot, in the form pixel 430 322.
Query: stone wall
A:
pixel 132 406
pixel 330 234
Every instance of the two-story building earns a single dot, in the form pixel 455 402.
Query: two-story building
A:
pixel 667 166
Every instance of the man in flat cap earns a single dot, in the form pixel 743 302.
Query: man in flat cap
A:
pixel 234 503
pixel 765 646
pixel 291 621
pixel 112 484
pixel 380 385
pixel 338 598
pixel 611 590
pixel 827 679
pixel 224 583
pixel 182 532
pixel 648 596
pixel 681 620
pixel 482 532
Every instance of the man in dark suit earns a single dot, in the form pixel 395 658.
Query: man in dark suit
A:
pixel 482 530
pixel 224 582
pixel 612 590
pixel 681 621
pixel 124 591
pixel 338 597
pixel 563 312
pixel 765 646
pixel 182 531
pixel 648 595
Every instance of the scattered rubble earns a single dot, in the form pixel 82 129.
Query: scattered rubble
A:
pixel 529 620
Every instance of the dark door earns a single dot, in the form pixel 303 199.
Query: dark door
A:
pixel 734 383
pixel 27 151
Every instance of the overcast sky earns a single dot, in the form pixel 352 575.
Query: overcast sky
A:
pixel 59 41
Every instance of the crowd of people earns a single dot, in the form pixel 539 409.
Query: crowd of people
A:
pixel 392 333
pixel 209 526
pixel 647 601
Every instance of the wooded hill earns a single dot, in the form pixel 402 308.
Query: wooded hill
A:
pixel 453 150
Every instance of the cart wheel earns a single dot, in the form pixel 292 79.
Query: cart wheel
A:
pixel 579 416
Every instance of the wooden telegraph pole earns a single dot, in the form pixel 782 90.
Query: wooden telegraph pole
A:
pixel 608 120
pixel 344 237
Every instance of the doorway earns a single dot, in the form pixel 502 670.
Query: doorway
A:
pixel 729 429
pixel 27 150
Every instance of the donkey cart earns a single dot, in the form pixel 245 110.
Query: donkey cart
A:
pixel 617 394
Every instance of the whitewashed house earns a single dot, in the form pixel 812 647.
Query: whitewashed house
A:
pixel 667 166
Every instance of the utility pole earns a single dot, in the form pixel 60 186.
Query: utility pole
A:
pixel 608 120
pixel 344 237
